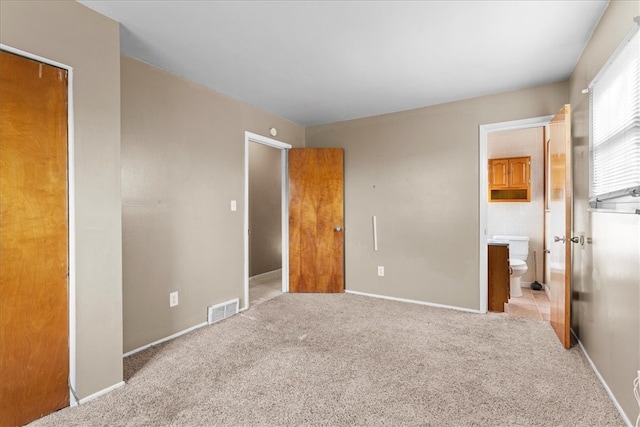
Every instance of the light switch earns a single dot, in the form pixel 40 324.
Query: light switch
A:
pixel 234 206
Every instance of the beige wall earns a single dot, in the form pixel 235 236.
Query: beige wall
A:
pixel 182 164
pixel 265 209
pixel 606 273
pixel 74 35
pixel 417 171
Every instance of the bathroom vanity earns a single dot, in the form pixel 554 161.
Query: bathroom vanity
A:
pixel 498 276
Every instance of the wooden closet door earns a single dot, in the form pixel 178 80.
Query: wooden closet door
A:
pixel 34 320
pixel 316 220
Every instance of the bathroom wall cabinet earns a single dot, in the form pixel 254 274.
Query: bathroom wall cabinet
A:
pixel 498 294
pixel 510 179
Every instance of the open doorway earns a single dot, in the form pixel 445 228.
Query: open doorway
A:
pixel 266 219
pixel 265 223
pixel 519 221
pixel 485 232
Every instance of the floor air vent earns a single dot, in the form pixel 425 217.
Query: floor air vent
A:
pixel 216 313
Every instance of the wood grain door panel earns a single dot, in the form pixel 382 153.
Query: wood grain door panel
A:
pixel 316 220
pixel 498 272
pixel 34 322
pixel 560 225
pixel 520 170
pixel 498 173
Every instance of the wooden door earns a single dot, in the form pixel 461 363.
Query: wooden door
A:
pixel 498 173
pixel 519 172
pixel 316 220
pixel 34 321
pixel 560 225
pixel 498 290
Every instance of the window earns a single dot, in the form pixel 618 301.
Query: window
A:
pixel 615 127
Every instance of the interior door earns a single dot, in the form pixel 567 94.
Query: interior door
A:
pixel 316 220
pixel 34 322
pixel 560 225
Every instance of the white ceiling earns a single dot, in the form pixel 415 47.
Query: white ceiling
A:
pixel 316 62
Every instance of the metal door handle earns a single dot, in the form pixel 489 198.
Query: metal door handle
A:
pixel 579 240
pixel 562 239
pixel 338 228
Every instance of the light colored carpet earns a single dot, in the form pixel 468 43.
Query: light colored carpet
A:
pixel 341 360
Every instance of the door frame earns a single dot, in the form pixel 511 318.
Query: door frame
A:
pixel 249 138
pixel 71 211
pixel 483 181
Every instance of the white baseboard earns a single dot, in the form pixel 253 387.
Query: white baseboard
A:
pixel 410 301
pixel 604 383
pixel 257 276
pixel 100 393
pixel 170 337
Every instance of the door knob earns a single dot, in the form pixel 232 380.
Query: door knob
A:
pixel 338 228
pixel 562 239
pixel 578 240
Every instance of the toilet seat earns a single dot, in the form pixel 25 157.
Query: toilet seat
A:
pixel 517 263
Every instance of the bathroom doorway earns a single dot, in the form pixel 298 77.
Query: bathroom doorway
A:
pixel 516 216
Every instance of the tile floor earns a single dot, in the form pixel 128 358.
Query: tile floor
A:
pixel 532 304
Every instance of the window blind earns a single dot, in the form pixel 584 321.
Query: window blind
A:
pixel 615 125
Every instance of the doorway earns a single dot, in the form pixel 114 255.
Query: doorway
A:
pixel 485 131
pixel 266 234
pixel 523 218
pixel 265 223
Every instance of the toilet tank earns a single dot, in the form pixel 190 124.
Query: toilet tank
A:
pixel 518 246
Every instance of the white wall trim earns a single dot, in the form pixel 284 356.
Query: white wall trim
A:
pixel 71 195
pixel 626 419
pixel 160 341
pixel 100 393
pixel 482 191
pixel 411 301
pixel 249 138
pixel 258 276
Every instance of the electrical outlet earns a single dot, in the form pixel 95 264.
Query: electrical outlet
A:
pixel 173 299
pixel 380 271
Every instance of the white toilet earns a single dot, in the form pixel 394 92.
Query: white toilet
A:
pixel 518 253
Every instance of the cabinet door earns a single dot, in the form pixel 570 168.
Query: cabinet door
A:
pixel 519 176
pixel 498 291
pixel 498 173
